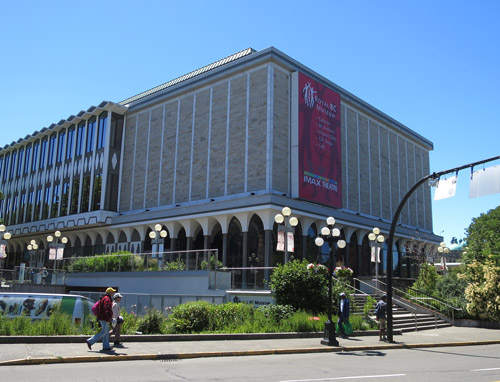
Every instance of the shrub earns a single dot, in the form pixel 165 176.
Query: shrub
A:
pixel 483 291
pixel 292 284
pixel 191 317
pixel 276 313
pixel 368 307
pixel 118 261
pixel 227 317
pixel 152 322
pixel 211 263
pixel 177 265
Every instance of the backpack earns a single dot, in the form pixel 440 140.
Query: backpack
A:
pixel 96 307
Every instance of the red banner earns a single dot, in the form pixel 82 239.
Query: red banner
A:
pixel 320 166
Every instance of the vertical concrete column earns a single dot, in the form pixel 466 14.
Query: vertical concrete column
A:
pixel 267 252
pixel 173 243
pixel 224 249
pixel 303 255
pixel 206 245
pixel 244 263
pixel 189 246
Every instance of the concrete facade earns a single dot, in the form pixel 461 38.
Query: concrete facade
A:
pixel 208 156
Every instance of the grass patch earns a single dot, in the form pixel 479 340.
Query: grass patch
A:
pixel 192 317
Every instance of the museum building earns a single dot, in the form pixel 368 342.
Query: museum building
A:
pixel 212 157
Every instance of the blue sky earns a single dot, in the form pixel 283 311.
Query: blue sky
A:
pixel 431 65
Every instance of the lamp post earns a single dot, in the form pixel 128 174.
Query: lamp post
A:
pixel 4 236
pixel 331 235
pixel 56 249
pixel 376 243
pixel 157 236
pixel 32 247
pixel 444 251
pixel 286 228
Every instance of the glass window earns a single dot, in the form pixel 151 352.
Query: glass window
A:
pixel 90 136
pixel 84 207
pixel 13 218
pixel 60 146
pixel 101 135
pixel 6 167
pixel 96 197
pixel 27 161
pixel 29 206
pixel 1 166
pixel 79 138
pixel 13 165
pixel 38 203
pixel 64 199
pixel 43 151
pixel 116 132
pixel 22 203
pixel 69 143
pixel 55 201
pixel 52 149
pixel 35 156
pixel 7 210
pixel 74 195
pixel 20 162
pixel 46 203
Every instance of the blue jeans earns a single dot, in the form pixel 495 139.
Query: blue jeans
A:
pixel 104 334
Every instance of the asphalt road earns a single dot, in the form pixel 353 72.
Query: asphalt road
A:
pixel 471 363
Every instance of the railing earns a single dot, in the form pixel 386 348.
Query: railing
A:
pixel 157 261
pixel 32 275
pixel 253 278
pixel 139 303
pixel 398 302
pixel 431 303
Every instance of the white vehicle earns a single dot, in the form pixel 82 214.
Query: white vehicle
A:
pixel 41 305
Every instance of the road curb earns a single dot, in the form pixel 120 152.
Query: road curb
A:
pixel 179 356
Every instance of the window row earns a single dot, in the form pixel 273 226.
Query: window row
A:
pixel 52 202
pixel 55 148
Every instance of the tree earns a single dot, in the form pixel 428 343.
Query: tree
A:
pixel 427 279
pixel 482 271
pixel 483 238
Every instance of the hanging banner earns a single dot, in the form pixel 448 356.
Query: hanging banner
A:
pixel 375 255
pixel 60 253
pixel 319 160
pixel 52 253
pixel 290 246
pixel 485 182
pixel 446 188
pixel 281 241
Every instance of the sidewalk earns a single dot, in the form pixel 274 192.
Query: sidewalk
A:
pixel 153 348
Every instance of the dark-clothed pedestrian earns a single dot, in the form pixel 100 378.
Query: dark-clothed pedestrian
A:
pixel 117 320
pixel 104 316
pixel 381 316
pixel 343 314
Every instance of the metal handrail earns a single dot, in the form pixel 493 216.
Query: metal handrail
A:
pixel 403 304
pixel 421 300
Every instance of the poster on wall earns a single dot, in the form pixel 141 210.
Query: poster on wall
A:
pixel 319 146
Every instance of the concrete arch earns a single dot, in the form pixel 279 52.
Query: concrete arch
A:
pixel 244 219
pixel 307 223
pixel 173 229
pixel 207 224
pixel 190 226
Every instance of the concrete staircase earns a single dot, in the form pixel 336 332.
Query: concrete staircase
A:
pixel 403 319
